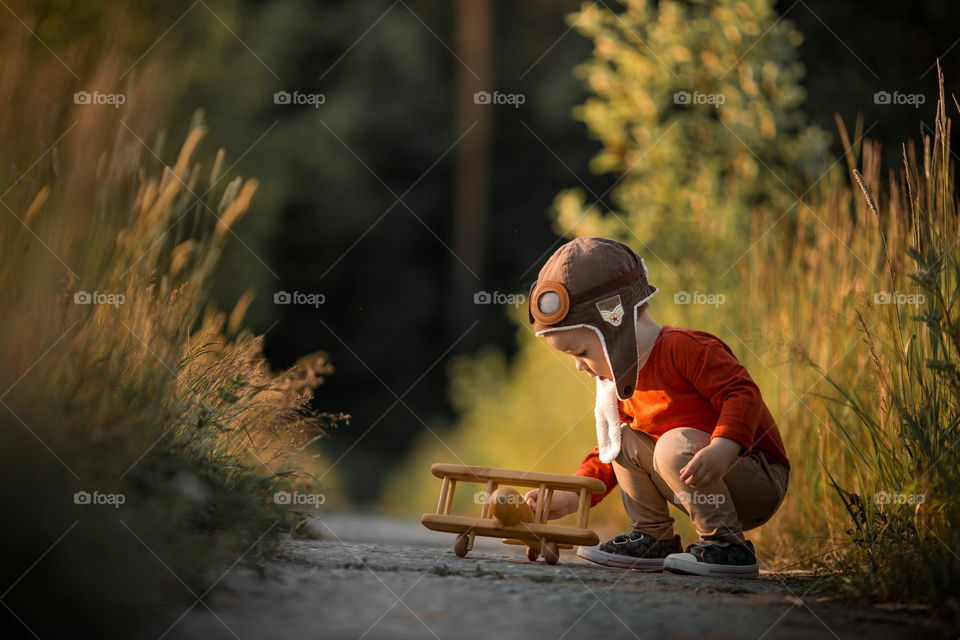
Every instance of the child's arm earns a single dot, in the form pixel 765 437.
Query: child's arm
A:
pixel 710 463
pixel 592 467
pixel 562 503
pixel 566 502
pixel 719 377
pixel 716 373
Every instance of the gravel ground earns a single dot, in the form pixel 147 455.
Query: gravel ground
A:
pixel 373 577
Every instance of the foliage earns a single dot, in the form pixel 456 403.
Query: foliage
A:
pixel 120 382
pixel 697 106
pixel 903 499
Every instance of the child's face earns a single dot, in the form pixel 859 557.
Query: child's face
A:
pixel 584 345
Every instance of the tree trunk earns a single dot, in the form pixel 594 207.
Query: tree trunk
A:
pixel 472 181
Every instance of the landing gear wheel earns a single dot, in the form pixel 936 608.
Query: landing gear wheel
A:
pixel 532 554
pixel 551 552
pixel 461 544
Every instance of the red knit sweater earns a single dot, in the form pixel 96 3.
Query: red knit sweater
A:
pixel 692 379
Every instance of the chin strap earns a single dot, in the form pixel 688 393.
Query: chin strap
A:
pixel 607 414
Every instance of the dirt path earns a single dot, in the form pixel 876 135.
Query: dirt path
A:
pixel 378 578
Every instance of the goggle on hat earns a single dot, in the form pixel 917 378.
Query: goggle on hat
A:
pixel 598 284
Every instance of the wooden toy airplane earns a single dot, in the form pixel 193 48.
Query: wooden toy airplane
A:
pixel 506 515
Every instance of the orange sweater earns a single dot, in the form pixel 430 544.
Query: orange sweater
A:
pixel 692 379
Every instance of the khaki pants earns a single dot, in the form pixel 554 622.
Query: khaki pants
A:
pixel 648 472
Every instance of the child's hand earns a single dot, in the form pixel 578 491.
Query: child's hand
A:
pixel 710 463
pixel 562 503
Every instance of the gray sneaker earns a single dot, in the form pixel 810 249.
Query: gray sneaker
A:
pixel 715 558
pixel 634 550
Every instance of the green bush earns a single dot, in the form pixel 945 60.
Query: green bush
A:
pixel 698 108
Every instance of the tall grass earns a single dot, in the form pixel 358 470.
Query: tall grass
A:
pixel 855 331
pixel 903 501
pixel 118 379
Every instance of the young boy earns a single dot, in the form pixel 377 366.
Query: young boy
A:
pixel 679 419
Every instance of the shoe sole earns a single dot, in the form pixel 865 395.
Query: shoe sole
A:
pixel 689 565
pixel 595 554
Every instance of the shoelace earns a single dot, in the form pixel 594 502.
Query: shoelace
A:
pixel 629 537
pixel 708 544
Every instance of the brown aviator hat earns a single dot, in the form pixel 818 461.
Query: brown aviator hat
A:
pixel 595 283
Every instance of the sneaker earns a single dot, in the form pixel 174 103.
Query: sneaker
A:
pixel 634 550
pixel 715 558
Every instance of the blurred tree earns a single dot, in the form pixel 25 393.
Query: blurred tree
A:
pixel 698 107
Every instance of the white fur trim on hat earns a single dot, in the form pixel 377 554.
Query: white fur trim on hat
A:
pixel 607 412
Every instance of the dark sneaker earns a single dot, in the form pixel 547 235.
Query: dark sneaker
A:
pixel 634 550
pixel 715 558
